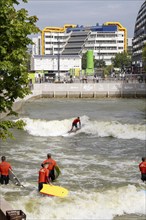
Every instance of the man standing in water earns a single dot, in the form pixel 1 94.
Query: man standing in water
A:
pixel 43 176
pixel 75 124
pixel 142 168
pixel 52 164
pixel 4 171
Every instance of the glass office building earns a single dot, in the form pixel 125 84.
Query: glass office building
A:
pixel 139 39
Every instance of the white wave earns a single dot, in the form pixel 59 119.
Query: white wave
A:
pixel 85 204
pixel 115 129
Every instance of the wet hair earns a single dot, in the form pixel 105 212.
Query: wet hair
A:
pixel 3 158
pixel 43 164
pixel 143 158
pixel 49 155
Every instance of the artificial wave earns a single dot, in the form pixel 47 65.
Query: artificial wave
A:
pixel 44 128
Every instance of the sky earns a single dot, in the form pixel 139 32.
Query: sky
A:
pixel 84 12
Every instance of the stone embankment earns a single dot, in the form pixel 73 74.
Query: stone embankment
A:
pixel 90 90
pixel 84 90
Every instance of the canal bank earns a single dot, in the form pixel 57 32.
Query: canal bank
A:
pixel 91 90
pixel 83 90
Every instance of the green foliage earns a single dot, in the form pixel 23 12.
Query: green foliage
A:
pixel 144 53
pixel 15 27
pixel 84 61
pixel 108 69
pixel 6 125
pixel 121 60
pixel 99 63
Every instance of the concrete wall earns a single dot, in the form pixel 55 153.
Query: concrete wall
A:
pixel 4 206
pixel 91 90
pixel 83 90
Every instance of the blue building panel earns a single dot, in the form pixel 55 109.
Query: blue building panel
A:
pixel 111 28
pixel 103 28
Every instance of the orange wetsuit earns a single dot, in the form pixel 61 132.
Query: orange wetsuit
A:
pixel 142 168
pixel 51 166
pixel 4 168
pixel 43 177
pixel 4 171
pixel 52 163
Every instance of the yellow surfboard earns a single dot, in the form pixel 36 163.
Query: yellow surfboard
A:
pixel 52 190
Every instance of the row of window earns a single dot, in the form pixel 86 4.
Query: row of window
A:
pixel 91 48
pixel 108 48
pixel 55 44
pixel 56 37
pixel 105 54
pixel 91 42
pixel 105 42
pixel 107 35
pixel 53 49
pixel 88 43
pixel 92 36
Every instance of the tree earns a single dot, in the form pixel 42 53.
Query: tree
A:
pixel 107 70
pixel 99 63
pixel 15 27
pixel 84 60
pixel 121 60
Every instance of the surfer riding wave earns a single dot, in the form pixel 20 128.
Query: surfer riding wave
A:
pixel 75 124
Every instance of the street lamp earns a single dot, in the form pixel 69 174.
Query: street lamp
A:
pixel 58 59
pixel 99 53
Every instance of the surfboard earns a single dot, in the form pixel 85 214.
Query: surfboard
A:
pixel 57 171
pixel 52 190
pixel 14 179
pixel 74 131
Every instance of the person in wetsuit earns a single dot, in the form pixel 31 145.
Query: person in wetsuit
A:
pixel 43 176
pixel 142 168
pixel 4 171
pixel 75 124
pixel 52 164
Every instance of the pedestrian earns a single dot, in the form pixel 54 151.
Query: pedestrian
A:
pixel 142 168
pixel 4 171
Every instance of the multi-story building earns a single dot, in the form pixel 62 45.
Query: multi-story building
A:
pixel 71 41
pixel 139 38
pixel 129 46
pixel 36 45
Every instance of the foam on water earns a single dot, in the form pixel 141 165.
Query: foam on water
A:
pixel 101 174
pixel 89 204
pixel 114 129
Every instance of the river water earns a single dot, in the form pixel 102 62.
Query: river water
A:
pixel 99 163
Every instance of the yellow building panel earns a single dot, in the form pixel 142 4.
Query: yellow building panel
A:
pixel 121 28
pixel 54 30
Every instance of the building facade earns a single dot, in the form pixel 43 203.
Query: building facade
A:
pixel 139 38
pixel 53 63
pixel 72 41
